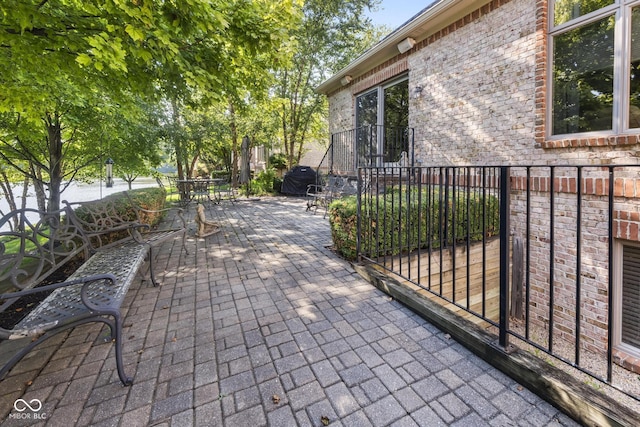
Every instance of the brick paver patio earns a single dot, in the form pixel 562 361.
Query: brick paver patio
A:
pixel 262 324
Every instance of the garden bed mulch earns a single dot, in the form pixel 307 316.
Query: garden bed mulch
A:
pixel 23 306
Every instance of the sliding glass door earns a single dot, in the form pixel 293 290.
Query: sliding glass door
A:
pixel 396 121
pixel 382 121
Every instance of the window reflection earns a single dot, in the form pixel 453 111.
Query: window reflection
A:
pixel 396 121
pixel 367 109
pixel 382 130
pixel 366 120
pixel 566 10
pixel 583 78
pixel 634 72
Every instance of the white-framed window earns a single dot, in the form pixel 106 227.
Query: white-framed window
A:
pixel 594 71
pixel 627 298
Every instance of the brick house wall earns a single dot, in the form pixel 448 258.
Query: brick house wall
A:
pixel 483 102
pixel 341 111
pixel 477 104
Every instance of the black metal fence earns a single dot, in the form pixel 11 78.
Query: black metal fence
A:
pixel 367 146
pixel 541 255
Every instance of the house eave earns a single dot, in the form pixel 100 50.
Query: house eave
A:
pixel 433 18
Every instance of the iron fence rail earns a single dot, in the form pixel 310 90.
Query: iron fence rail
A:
pixel 530 250
pixel 366 146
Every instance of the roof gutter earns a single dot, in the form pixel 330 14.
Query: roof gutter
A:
pixel 425 23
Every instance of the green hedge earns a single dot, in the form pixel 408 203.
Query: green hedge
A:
pixel 152 198
pixel 398 222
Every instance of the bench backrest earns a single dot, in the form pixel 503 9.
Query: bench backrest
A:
pixel 34 245
pixel 105 221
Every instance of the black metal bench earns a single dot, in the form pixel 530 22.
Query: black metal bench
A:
pixel 35 245
pixel 100 220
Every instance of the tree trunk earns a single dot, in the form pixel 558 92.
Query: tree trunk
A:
pixel 291 148
pixel 176 141
pixel 38 186
pixel 5 185
pixel 192 166
pixel 179 168
pixel 234 146
pixel 54 136
pixel 25 192
pixel 128 178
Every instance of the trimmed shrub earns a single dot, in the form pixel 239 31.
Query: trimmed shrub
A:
pixel 263 183
pixel 402 221
pixel 343 220
pixel 152 198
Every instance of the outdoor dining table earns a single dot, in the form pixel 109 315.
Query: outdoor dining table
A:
pixel 198 189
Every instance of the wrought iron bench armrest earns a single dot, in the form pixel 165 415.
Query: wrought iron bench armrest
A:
pixel 34 245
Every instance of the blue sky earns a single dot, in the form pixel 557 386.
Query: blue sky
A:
pixel 394 13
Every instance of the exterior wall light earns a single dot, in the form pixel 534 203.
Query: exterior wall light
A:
pixel 417 92
pixel 346 80
pixel 406 45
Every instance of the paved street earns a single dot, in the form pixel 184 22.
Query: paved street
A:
pixel 262 324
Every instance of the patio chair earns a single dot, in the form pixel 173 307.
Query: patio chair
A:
pixel 323 194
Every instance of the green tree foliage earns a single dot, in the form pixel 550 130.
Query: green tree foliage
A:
pixel 217 152
pixel 257 120
pixel 244 79
pixel 73 144
pixel 566 10
pixel 212 133
pixel 71 65
pixel 333 33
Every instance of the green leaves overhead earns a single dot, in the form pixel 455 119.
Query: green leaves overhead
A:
pixel 139 44
pixel 84 62
pixel 332 33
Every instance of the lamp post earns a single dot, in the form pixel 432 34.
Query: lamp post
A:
pixel 109 164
